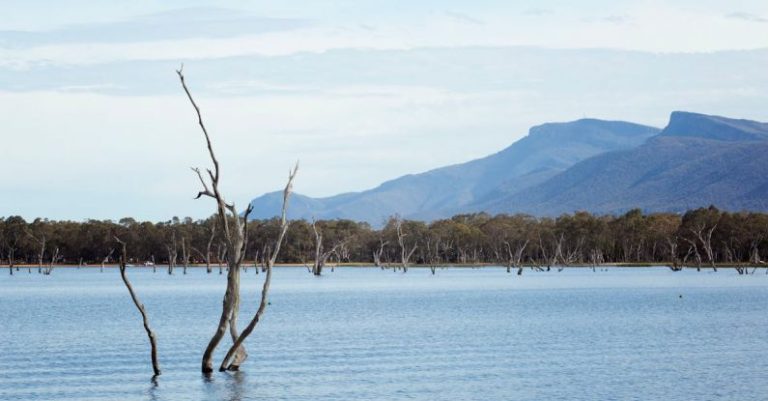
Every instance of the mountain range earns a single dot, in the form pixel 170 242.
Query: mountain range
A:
pixel 589 164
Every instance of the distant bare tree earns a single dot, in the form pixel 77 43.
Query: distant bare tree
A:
pixel 140 307
pixel 515 257
pixel 406 250
pixel 41 242
pixel 107 258
pixel 322 254
pixel 54 258
pixel 378 252
pixel 185 250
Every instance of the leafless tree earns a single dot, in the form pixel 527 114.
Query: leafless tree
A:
pixel 704 235
pixel 693 249
pixel 233 228
pixel 378 252
pixel 207 255
pixel 221 254
pixel 54 258
pixel 322 254
pixel 140 307
pixel 185 250
pixel 41 242
pixel 406 251
pixel 173 252
pixel 107 258
pixel 515 256
pixel 672 246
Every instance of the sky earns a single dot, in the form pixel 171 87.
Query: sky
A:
pixel 95 123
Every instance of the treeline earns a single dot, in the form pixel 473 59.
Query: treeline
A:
pixel 702 237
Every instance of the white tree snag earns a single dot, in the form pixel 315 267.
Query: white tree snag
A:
pixel 107 258
pixel 140 307
pixel 54 258
pixel 377 254
pixel 233 228
pixel 322 255
pixel 405 251
pixel 704 235
pixel 230 361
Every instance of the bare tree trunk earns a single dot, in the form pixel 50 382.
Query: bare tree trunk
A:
pixel 140 307
pixel 377 254
pixel 41 253
pixel 106 258
pixel 229 363
pixel 705 237
pixel 405 253
pixel 54 258
pixel 676 265
pixel 184 254
pixel 234 230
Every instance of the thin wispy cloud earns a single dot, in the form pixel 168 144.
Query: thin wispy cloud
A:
pixel 180 24
pixel 747 17
pixel 617 19
pixel 537 12
pixel 464 18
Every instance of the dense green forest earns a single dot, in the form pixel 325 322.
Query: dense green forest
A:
pixel 703 237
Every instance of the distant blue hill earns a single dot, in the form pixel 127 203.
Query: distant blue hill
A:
pixel 697 160
pixel 546 151
pixel 593 165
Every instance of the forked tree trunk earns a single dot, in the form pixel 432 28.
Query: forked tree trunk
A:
pixel 405 252
pixel 234 230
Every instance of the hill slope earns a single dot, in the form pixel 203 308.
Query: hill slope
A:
pixel 697 160
pixel 547 150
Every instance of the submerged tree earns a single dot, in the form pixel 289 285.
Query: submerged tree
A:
pixel 139 306
pixel 234 229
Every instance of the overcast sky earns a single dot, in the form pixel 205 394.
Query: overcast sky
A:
pixel 94 123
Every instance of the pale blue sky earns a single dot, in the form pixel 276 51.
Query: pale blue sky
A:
pixel 95 123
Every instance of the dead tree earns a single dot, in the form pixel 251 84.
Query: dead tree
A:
pixel 672 246
pixel 173 253
pixel 140 307
pixel 693 249
pixel 552 256
pixel 514 257
pixel 221 254
pixel 596 258
pixel 54 258
pixel 41 241
pixel 322 255
pixel 184 254
pixel 107 258
pixel 704 235
pixel 234 231
pixel 207 256
pixel 405 251
pixel 378 252
pixel 229 360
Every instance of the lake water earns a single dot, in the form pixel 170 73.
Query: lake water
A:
pixel 367 334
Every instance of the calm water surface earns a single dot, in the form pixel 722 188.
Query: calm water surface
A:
pixel 366 334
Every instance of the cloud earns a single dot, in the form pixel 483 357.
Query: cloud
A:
pixel 617 19
pixel 180 24
pixel 537 12
pixel 464 18
pixel 747 17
